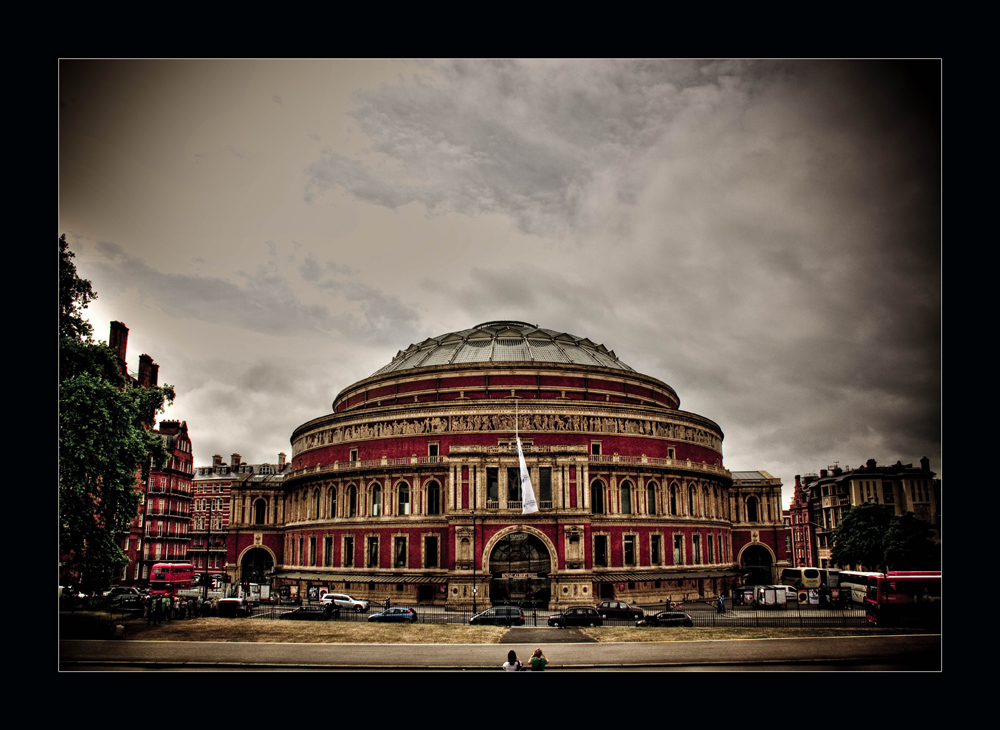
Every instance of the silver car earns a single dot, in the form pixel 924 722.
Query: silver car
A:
pixel 345 602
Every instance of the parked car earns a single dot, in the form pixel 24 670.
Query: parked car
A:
pixel 234 608
pixel 619 609
pixel 499 616
pixel 311 613
pixel 576 616
pixel 667 618
pixel 395 614
pixel 346 602
pixel 114 591
pixel 127 602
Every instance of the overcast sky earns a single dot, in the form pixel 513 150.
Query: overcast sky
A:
pixel 763 236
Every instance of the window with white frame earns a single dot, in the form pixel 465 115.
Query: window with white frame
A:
pixel 403 499
pixel 628 550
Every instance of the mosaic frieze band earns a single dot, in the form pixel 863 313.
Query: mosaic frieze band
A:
pixel 491 421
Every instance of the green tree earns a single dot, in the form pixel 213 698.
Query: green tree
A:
pixel 873 536
pixel 858 539
pixel 908 545
pixel 105 440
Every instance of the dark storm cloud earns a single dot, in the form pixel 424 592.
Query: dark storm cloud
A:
pixel 538 296
pixel 764 236
pixel 264 300
pixel 254 410
pixel 502 136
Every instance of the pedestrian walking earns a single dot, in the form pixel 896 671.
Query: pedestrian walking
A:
pixel 722 603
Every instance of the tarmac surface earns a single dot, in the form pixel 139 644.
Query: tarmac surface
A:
pixel 565 650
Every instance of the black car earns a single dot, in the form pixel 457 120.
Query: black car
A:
pixel 127 602
pixel 667 618
pixel 499 616
pixel 115 591
pixel 234 608
pixel 311 613
pixel 576 616
pixel 619 609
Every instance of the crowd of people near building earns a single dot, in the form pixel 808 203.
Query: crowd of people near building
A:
pixel 157 609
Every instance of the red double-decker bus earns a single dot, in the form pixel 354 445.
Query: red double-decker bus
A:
pixel 904 598
pixel 165 579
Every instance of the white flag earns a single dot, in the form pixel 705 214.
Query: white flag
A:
pixel 528 503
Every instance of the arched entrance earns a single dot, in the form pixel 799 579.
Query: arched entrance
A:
pixel 256 565
pixel 757 565
pixel 519 568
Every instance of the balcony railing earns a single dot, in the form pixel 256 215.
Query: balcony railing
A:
pixel 653 461
pixel 156 512
pixel 369 464
pixel 657 461
pixel 511 504
pixel 173 491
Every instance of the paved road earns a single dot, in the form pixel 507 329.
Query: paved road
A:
pixel 912 652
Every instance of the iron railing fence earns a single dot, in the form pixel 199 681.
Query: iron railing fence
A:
pixel 701 615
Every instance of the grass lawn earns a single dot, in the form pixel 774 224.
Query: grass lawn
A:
pixel 94 625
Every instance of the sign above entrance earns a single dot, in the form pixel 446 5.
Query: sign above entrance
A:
pixel 520 576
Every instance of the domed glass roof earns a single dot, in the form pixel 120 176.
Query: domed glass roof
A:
pixel 504 341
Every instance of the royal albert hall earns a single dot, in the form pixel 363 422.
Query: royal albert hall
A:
pixel 410 491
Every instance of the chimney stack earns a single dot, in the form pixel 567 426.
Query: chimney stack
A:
pixel 236 461
pixel 147 371
pixel 216 461
pixel 118 341
pixel 925 464
pixel 281 460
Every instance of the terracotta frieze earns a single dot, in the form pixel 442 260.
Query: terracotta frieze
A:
pixel 486 421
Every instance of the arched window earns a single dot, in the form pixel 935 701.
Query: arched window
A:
pixel 705 502
pixel 651 498
pixel 715 502
pixel 259 512
pixel 626 497
pixel 376 499
pixel 673 499
pixel 597 497
pixel 693 501
pixel 316 504
pixel 403 503
pixel 333 501
pixel 433 498
pixel 352 501
pixel 752 510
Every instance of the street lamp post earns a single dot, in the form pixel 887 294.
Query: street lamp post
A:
pixel 474 611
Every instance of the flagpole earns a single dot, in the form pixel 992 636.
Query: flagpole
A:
pixel 528 503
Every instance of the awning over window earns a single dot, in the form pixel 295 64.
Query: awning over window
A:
pixel 362 578
pixel 663 575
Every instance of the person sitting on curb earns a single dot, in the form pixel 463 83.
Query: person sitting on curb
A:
pixel 512 664
pixel 538 661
